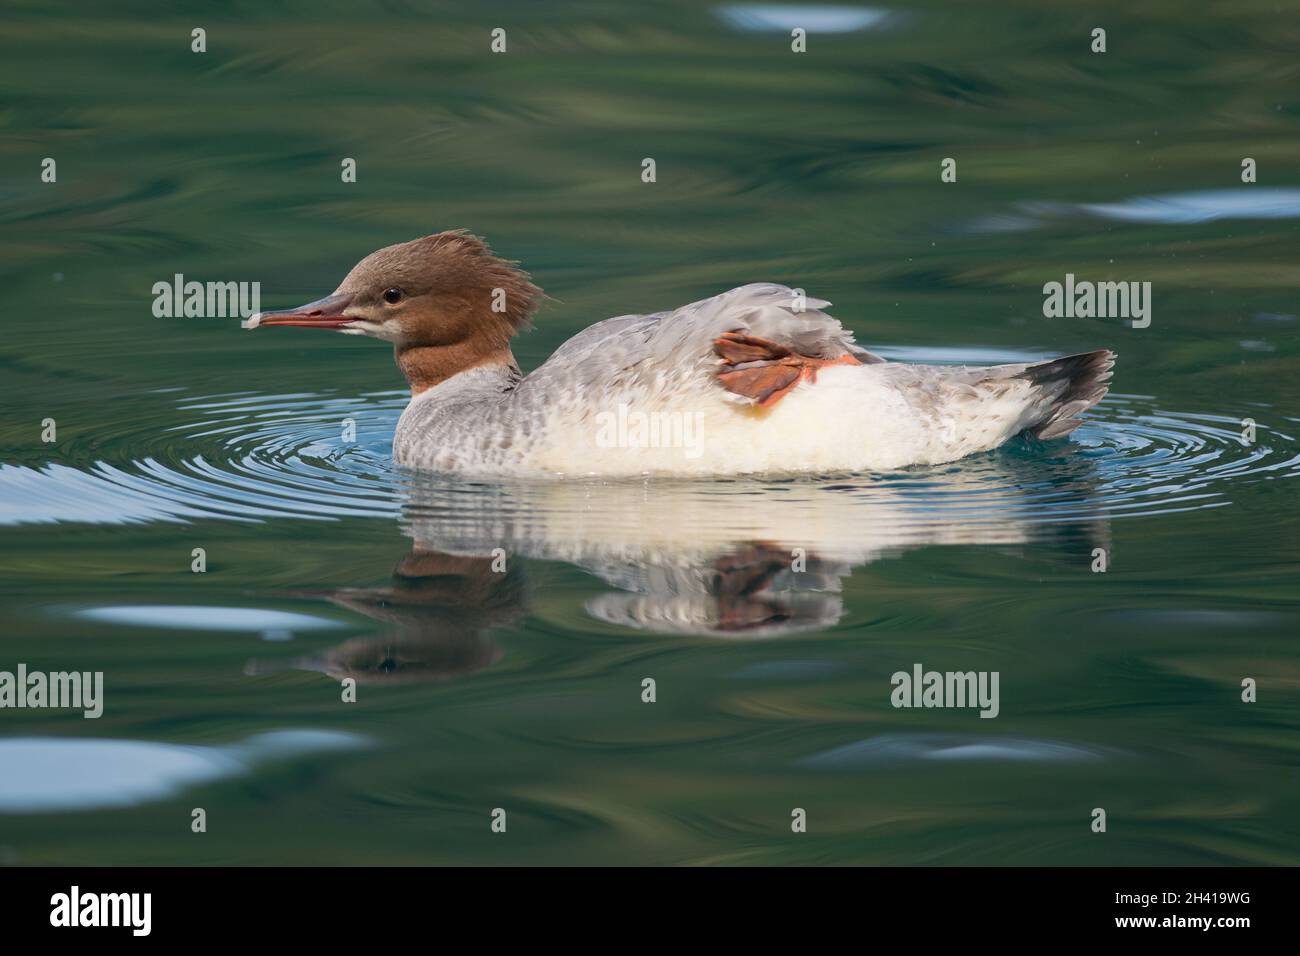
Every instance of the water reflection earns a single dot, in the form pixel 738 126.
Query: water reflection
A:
pixel 742 559
pixel 782 18
pixel 53 774
pixel 733 560
pixel 199 618
pixel 897 748
pixel 437 608
pixel 1172 209
pixel 755 589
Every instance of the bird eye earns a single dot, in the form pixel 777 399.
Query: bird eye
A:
pixel 393 296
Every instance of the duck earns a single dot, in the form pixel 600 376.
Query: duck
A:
pixel 758 380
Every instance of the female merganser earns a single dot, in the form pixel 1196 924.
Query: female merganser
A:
pixel 755 380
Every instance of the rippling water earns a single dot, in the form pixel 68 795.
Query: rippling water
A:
pixel 500 632
pixel 259 457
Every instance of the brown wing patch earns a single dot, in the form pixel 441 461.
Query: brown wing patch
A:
pixel 737 347
pixel 763 370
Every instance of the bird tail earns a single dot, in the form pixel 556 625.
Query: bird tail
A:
pixel 1067 387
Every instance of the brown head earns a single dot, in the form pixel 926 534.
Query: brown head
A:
pixel 445 302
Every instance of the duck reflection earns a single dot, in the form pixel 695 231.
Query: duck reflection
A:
pixel 729 559
pixel 438 609
pixel 757 589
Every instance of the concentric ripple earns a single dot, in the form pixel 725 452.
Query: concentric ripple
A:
pixel 239 457
pixel 248 457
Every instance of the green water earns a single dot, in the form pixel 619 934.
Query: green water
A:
pixel 522 690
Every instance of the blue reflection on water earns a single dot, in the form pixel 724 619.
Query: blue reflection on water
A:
pixel 52 774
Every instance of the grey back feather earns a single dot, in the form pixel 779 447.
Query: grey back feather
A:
pixel 681 341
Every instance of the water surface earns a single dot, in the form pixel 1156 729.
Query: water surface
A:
pixel 499 632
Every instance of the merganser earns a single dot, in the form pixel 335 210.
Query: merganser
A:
pixel 755 380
